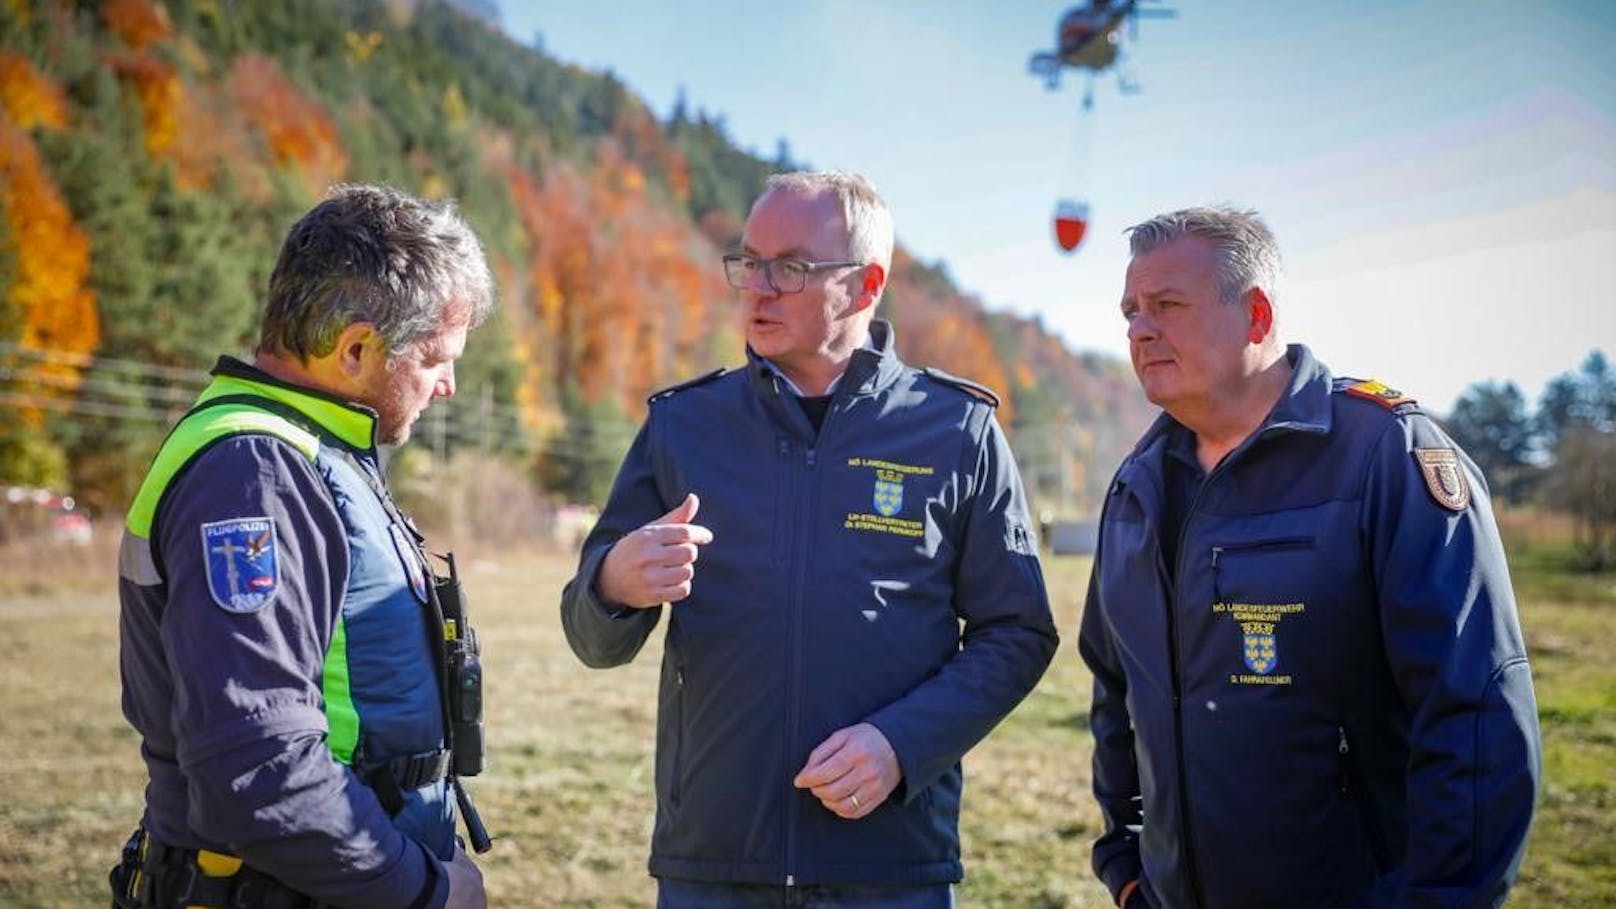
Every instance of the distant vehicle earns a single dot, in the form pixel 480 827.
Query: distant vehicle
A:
pixel 1089 38
pixel 29 513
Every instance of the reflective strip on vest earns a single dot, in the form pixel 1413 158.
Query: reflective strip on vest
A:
pixel 189 438
pixel 341 716
pixel 195 433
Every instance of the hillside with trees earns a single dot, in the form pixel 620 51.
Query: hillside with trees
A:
pixel 152 154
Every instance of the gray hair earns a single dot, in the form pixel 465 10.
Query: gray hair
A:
pixel 1247 254
pixel 869 223
pixel 373 254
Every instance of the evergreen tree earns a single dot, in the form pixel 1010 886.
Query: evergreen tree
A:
pixel 203 299
pixel 580 463
pixel 1490 422
pixel 1577 417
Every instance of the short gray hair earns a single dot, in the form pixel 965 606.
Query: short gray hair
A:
pixel 869 223
pixel 373 254
pixel 1247 254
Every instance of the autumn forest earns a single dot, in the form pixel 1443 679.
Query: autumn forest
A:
pixel 152 154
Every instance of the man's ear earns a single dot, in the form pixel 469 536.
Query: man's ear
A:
pixel 875 278
pixel 358 346
pixel 1260 313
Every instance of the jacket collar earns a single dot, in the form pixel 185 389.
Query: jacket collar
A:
pixel 871 368
pixel 354 424
pixel 1304 407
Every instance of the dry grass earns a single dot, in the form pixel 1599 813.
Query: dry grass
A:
pixel 568 786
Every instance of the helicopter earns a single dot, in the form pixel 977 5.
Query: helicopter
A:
pixel 1089 38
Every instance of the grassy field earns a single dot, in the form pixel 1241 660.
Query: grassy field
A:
pixel 568 787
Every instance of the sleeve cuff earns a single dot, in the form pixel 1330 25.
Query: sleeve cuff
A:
pixel 434 892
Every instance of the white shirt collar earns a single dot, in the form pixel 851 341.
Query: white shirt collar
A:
pixel 869 344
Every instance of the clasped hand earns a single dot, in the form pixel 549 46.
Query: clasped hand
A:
pixel 852 772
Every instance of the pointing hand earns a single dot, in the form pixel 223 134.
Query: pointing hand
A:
pixel 656 563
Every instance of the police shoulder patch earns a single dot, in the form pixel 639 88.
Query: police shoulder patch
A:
pixel 241 565
pixel 975 390
pixel 1444 477
pixel 1376 391
pixel 688 383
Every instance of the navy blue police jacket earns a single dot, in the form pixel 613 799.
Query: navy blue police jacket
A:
pixel 1326 703
pixel 274 646
pixel 883 571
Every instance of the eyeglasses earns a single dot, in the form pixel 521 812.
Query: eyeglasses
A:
pixel 784 274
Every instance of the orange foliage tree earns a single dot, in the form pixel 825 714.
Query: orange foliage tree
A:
pixel 138 22
pixel 626 294
pixel 943 330
pixel 158 89
pixel 298 130
pixel 48 306
pixel 28 98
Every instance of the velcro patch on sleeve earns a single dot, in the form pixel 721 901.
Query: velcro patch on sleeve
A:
pixel 242 570
pixel 1444 477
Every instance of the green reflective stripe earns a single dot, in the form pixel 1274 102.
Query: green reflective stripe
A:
pixel 195 433
pixel 341 716
pixel 352 426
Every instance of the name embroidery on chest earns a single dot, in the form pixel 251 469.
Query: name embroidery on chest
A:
pixel 886 498
pixel 1259 639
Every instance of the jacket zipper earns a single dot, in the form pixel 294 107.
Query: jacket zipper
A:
pixel 1344 749
pixel 1172 654
pixel 794 711
pixel 1178 697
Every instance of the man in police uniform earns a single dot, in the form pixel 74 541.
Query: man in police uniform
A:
pixel 1309 682
pixel 817 691
pixel 276 654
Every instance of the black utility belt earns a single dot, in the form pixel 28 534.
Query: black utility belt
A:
pixel 392 779
pixel 155 875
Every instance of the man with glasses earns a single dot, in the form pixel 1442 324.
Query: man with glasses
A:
pixel 868 602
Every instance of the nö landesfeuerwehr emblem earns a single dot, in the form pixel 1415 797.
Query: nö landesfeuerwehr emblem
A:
pixel 240 556
pixel 888 497
pixel 1261 648
pixel 1444 478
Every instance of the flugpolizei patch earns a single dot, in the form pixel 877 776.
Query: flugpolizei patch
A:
pixel 1444 477
pixel 240 558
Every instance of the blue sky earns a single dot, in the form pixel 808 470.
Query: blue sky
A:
pixel 1441 176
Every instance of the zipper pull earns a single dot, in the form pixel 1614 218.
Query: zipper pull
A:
pixel 1217 592
pixel 1346 771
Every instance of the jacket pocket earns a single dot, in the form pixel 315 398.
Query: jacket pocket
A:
pixel 1231 558
pixel 676 762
